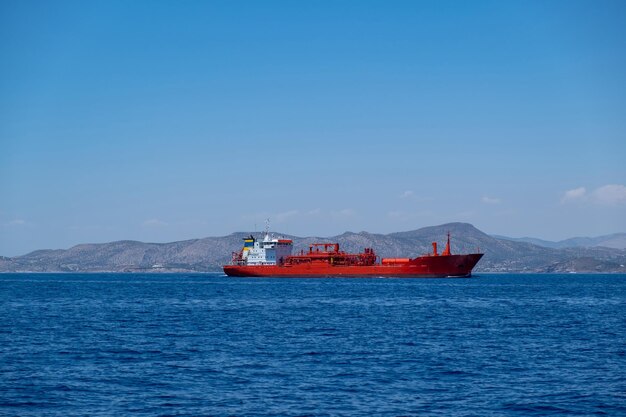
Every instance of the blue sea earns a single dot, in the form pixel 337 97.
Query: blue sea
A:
pixel 208 345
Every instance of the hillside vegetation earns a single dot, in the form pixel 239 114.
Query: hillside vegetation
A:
pixel 209 254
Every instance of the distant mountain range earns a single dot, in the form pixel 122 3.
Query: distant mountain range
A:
pixel 615 241
pixel 602 254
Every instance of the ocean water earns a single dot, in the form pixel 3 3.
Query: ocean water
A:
pixel 204 344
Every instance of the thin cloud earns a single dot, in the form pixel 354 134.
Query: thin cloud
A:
pixel 284 216
pixel 577 194
pixel 411 196
pixel 606 195
pixel 612 194
pixel 491 200
pixel 347 212
pixel 400 215
pixel 154 223
pixel 17 224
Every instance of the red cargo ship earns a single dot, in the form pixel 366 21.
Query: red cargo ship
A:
pixel 272 257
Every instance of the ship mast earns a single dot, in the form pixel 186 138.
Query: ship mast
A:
pixel 446 252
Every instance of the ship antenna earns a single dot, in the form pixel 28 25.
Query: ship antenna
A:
pixel 267 227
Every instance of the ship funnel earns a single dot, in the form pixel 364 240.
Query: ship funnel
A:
pixel 435 249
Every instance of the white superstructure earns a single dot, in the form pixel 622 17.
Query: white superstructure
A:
pixel 269 251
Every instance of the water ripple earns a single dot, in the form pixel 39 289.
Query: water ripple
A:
pixel 518 345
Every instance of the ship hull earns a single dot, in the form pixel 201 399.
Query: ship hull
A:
pixel 452 266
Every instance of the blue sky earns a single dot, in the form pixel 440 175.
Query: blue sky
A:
pixel 163 120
